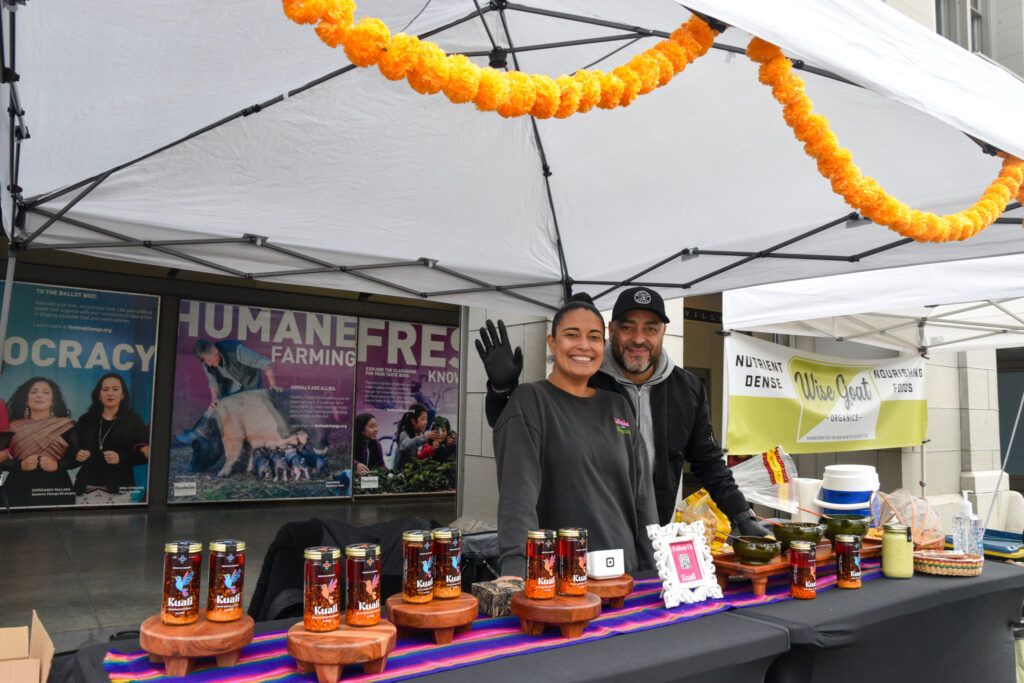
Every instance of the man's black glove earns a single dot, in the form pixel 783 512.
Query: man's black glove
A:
pixel 500 363
pixel 745 524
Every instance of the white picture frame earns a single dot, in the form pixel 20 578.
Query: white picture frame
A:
pixel 684 564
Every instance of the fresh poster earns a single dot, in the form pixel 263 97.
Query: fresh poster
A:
pixel 262 405
pixel 405 436
pixel 76 396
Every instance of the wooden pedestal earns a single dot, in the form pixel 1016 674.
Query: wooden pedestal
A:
pixel 613 590
pixel 329 651
pixel 443 617
pixel 729 565
pixel 572 614
pixel 179 646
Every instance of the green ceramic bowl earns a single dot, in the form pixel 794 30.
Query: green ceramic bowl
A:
pixel 857 525
pixel 755 550
pixel 798 531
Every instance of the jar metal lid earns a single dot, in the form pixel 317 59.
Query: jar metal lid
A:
pixel 416 536
pixel 183 547
pixel 847 538
pixel 572 532
pixel 899 528
pixel 800 545
pixel 540 533
pixel 227 545
pixel 322 552
pixel 446 533
pixel 362 550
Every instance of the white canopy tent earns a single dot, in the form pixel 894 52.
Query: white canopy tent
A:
pixel 221 137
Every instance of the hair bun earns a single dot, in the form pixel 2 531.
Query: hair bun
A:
pixel 582 297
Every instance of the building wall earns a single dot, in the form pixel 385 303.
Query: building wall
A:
pixel 1007 38
pixel 921 11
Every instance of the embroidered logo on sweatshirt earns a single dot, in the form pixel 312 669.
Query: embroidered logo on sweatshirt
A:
pixel 622 426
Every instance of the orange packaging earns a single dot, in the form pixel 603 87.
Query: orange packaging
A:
pixel 802 566
pixel 321 608
pixel 540 564
pixel 417 567
pixel 183 567
pixel 362 578
pixel 447 550
pixel 226 574
pixel 572 561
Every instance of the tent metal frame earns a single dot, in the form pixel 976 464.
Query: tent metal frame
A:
pixel 311 265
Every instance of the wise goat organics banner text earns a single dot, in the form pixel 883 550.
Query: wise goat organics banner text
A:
pixel 809 403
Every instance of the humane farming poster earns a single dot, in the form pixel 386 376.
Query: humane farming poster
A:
pixel 76 396
pixel 262 404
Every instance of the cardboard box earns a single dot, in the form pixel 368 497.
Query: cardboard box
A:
pixel 25 656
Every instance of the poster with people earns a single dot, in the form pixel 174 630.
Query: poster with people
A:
pixel 262 405
pixel 76 396
pixel 407 401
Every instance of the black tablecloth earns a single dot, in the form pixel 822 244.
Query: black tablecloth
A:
pixel 927 628
pixel 717 647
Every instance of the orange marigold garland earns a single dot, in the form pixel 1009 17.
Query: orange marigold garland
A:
pixel 861 192
pixel 429 70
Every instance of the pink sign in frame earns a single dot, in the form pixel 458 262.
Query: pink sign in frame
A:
pixel 684 562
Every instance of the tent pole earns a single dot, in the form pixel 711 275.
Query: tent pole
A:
pixel 5 308
pixel 999 480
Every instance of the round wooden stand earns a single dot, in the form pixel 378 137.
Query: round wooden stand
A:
pixel 179 646
pixel 443 617
pixel 572 614
pixel 329 651
pixel 613 590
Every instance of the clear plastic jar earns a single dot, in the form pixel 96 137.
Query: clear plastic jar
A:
pixel 572 561
pixel 226 572
pixel 447 550
pixel 362 579
pixel 183 569
pixel 322 594
pixel 417 567
pixel 540 564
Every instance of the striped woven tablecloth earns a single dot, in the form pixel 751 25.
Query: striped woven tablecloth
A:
pixel 266 660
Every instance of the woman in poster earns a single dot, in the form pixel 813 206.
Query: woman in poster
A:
pixel 42 441
pixel 412 434
pixel 569 455
pixel 366 453
pixel 113 441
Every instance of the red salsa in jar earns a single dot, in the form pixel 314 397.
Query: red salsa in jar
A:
pixel 183 567
pixel 322 594
pixel 540 564
pixel 447 550
pixel 417 567
pixel 802 565
pixel 227 571
pixel 572 561
pixel 362 578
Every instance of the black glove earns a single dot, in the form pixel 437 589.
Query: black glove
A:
pixel 500 363
pixel 745 524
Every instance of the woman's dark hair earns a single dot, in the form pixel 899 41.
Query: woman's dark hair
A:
pixel 575 302
pixel 18 405
pixel 362 419
pixel 409 416
pixel 96 407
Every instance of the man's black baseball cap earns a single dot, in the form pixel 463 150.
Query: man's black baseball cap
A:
pixel 640 298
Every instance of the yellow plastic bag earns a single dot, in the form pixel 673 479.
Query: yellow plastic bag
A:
pixel 699 506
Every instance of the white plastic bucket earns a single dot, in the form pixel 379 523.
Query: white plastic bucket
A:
pixel 847 489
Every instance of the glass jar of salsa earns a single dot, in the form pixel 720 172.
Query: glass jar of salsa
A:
pixel 321 609
pixel 848 561
pixel 447 550
pixel 417 567
pixel 183 568
pixel 572 561
pixel 540 564
pixel 802 566
pixel 362 578
pixel 226 572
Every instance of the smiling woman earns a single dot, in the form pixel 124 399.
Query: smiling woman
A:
pixel 569 455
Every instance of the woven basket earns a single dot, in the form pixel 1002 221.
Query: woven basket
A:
pixel 947 563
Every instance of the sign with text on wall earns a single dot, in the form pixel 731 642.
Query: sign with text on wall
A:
pixel 811 403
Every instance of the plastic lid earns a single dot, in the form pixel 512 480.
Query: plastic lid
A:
pixel 227 545
pixel 183 547
pixel 322 552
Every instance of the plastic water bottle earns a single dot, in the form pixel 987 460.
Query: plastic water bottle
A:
pixel 967 530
